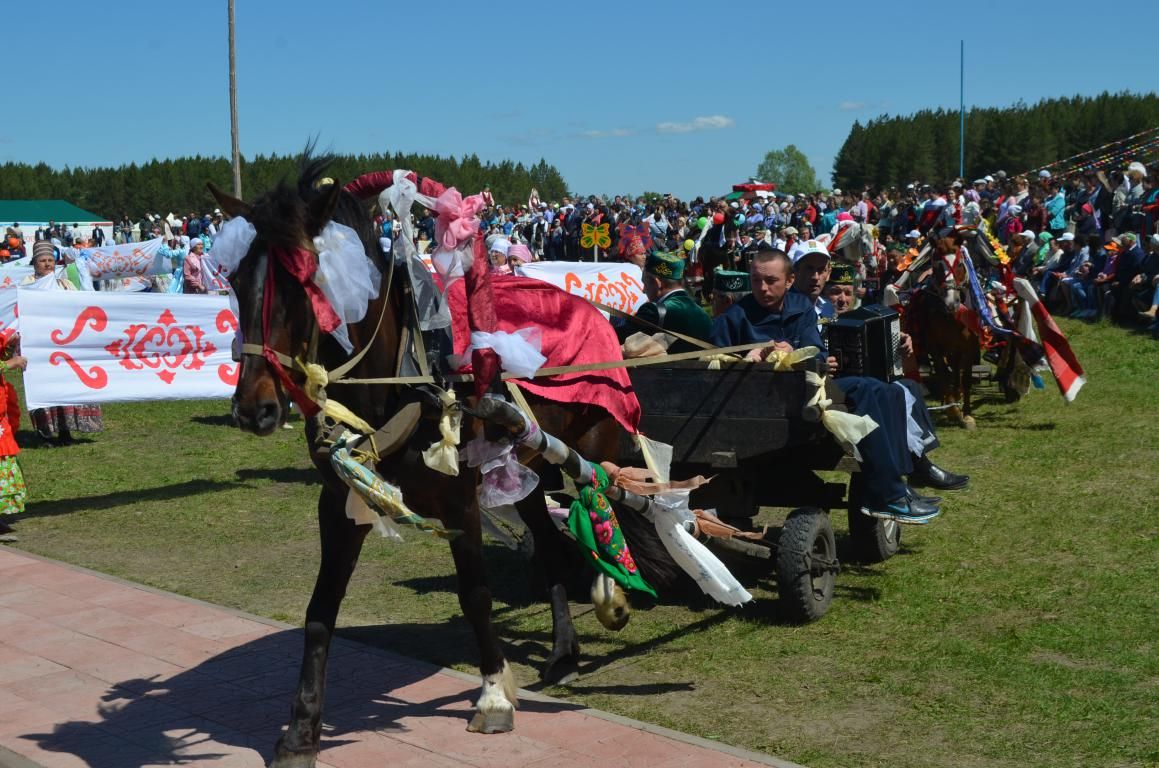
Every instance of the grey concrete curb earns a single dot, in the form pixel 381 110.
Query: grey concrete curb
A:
pixel 657 730
pixel 9 759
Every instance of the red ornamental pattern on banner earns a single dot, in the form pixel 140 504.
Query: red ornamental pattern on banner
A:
pixel 226 322
pixel 117 262
pixel 114 346
pixel 141 348
pixel 165 347
pixel 95 318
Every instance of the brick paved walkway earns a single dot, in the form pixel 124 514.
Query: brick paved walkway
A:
pixel 98 672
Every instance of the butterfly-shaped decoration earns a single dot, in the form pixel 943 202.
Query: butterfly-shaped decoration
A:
pixel 595 236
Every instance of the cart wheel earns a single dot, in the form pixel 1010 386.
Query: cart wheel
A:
pixel 874 540
pixel 806 564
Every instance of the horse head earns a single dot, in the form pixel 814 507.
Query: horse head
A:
pixel 949 272
pixel 273 284
pixel 853 241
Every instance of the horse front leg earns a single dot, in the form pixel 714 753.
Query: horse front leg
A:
pixel 495 709
pixel 966 380
pixel 341 542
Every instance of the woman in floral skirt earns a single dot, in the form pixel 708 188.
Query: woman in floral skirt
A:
pixel 56 425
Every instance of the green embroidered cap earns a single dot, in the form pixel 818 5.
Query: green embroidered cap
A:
pixel 842 274
pixel 731 282
pixel 665 264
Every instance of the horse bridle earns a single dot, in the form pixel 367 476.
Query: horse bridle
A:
pixel 279 362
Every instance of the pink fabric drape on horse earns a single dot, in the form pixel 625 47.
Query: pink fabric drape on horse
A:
pixel 573 333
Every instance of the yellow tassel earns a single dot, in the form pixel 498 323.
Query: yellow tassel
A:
pixel 443 456
pixel 316 381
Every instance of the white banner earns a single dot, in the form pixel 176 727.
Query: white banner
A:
pixel 8 313
pixel 617 285
pixel 103 347
pixel 127 260
pixel 10 277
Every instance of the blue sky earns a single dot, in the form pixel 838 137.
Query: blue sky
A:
pixel 674 97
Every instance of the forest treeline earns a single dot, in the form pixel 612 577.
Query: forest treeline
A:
pixel 895 150
pixel 178 185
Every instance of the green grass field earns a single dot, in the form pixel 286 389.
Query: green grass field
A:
pixel 1020 628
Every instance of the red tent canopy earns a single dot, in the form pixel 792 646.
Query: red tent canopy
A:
pixel 752 188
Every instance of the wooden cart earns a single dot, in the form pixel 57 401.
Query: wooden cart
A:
pixel 743 423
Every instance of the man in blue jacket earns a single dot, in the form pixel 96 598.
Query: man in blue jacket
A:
pixel 774 313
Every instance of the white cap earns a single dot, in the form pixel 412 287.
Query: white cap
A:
pixel 809 247
pixel 1138 168
pixel 909 186
pixel 979 181
pixel 957 184
pixel 988 178
pixel 913 234
pixel 837 191
pixel 1028 234
pixel 1066 237
pixel 1044 174
pixel 1155 239
pixel 734 205
pixel 502 245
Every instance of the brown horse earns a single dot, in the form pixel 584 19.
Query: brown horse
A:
pixel 952 347
pixel 275 311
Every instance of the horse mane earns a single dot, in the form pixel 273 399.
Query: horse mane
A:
pixel 280 213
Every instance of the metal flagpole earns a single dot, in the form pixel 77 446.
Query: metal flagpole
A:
pixel 962 111
pixel 233 108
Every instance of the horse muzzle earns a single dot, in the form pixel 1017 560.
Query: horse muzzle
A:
pixel 261 417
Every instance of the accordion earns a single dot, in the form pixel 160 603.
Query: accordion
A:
pixel 865 342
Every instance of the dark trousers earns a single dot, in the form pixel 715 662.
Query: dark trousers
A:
pixel 885 456
pixel 921 415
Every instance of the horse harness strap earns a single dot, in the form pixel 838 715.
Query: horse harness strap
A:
pixel 564 369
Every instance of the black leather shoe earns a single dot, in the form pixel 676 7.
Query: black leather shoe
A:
pixel 912 495
pixel 930 474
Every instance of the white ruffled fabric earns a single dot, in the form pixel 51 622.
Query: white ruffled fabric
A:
pixel 346 276
pixel 505 480
pixel 232 243
pixel 519 351
pixel 672 519
pixel 433 312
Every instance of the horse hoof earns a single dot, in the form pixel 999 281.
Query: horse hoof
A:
pixel 496 721
pixel 291 760
pixel 969 423
pixel 560 671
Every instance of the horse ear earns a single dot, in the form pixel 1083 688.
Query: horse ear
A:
pixel 230 204
pixel 322 208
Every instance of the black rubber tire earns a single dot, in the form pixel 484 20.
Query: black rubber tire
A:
pixel 806 586
pixel 874 540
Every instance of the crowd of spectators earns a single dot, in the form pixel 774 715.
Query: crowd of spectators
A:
pixel 1088 240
